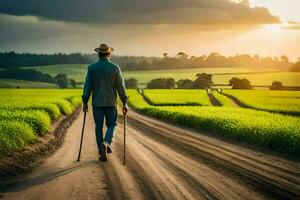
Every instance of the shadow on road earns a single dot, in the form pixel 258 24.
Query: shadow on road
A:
pixel 27 182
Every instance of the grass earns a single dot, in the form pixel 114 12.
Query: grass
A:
pixel 163 97
pixel 14 83
pixel 225 101
pixel 27 113
pixel 269 130
pixel 285 102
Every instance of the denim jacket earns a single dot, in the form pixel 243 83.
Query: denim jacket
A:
pixel 104 80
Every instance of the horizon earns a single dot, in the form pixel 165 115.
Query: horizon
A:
pixel 146 56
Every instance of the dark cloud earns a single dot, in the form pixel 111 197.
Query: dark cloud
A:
pixel 141 11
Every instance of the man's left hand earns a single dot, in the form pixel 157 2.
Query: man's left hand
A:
pixel 124 109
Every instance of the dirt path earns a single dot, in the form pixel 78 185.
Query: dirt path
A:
pixel 163 162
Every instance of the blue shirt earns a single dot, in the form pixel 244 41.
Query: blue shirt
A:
pixel 104 80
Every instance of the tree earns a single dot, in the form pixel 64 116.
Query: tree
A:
pixel 182 55
pixel 131 83
pixel 237 83
pixel 185 84
pixel 296 67
pixel 276 85
pixel 73 83
pixel 165 55
pixel 144 64
pixel 26 74
pixel 161 83
pixel 203 81
pixel 62 80
pixel 284 59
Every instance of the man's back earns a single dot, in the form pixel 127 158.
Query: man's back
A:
pixel 104 80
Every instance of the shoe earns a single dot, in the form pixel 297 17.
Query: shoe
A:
pixel 109 149
pixel 103 152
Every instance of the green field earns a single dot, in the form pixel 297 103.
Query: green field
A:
pixel 78 71
pixel 286 102
pixel 75 71
pixel 13 83
pixel 163 97
pixel 269 130
pixel 225 101
pixel 27 113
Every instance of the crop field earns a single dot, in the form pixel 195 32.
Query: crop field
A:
pixel 163 97
pixel 269 130
pixel 78 71
pixel 286 102
pixel 27 113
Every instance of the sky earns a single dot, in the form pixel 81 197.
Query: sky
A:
pixel 150 28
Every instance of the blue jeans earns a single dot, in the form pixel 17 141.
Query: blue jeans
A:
pixel 110 114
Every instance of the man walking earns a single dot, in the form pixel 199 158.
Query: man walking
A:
pixel 104 80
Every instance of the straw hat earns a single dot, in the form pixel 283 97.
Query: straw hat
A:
pixel 104 48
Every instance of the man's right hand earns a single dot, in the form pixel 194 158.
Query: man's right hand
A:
pixel 125 109
pixel 85 107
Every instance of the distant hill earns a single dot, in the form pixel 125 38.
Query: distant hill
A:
pixel 13 83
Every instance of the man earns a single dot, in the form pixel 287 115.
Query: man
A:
pixel 104 80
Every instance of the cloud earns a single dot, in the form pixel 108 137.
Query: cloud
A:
pixel 141 11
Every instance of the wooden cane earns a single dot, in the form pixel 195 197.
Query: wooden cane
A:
pixel 124 146
pixel 79 153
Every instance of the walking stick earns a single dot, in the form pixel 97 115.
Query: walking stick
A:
pixel 84 116
pixel 124 155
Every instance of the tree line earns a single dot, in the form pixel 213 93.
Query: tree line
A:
pixel 180 60
pixel 61 80
pixel 296 66
pixel 203 81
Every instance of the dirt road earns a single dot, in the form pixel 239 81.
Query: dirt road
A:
pixel 163 162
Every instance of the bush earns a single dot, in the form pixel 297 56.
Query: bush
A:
pixel 14 135
pixel 203 81
pixel 185 84
pixel 237 83
pixel 131 83
pixel 39 121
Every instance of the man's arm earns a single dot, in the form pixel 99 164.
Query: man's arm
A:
pixel 87 90
pixel 121 90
